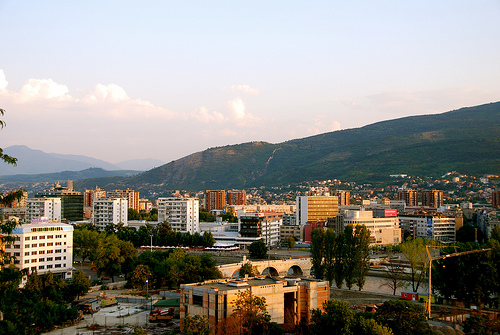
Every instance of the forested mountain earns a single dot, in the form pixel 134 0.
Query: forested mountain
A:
pixel 465 140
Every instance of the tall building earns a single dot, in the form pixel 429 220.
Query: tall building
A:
pixel 71 201
pixel 383 230
pixel 90 195
pixel 435 227
pixel 495 199
pixel 131 196
pixel 313 208
pixel 265 226
pixel 236 197
pixel 433 198
pixel 344 197
pixel 215 199
pixel 42 247
pixel 410 197
pixel 108 211
pixel 182 214
pixel 49 208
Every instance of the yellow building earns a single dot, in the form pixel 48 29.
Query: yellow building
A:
pixel 314 208
pixel 288 300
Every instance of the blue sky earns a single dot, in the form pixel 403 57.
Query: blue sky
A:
pixel 118 80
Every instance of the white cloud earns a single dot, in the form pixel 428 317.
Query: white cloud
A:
pixel 237 108
pixel 110 93
pixel 44 89
pixel 203 115
pixel 3 80
pixel 245 89
pixel 322 124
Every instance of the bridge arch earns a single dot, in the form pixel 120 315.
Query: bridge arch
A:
pixel 270 271
pixel 295 271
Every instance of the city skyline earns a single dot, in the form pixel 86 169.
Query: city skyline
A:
pixel 164 80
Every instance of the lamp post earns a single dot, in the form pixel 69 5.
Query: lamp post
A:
pixel 151 245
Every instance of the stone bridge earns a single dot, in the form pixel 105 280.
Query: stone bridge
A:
pixel 295 267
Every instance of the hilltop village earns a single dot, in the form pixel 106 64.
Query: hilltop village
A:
pixel 175 241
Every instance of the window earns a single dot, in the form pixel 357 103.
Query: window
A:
pixel 33 260
pixel 41 245
pixel 49 259
pixel 17 246
pixel 58 265
pixel 26 261
pixel 27 238
pixel 34 238
pixel 41 267
pixel 17 262
pixel 64 257
pixel 41 259
pixel 49 266
pixel 58 251
pixel 50 251
pixel 42 237
pixel 58 243
pixel 50 244
pixel 57 258
pixel 18 238
pixel 17 254
pixel 58 236
pixel 33 245
pixel 50 236
pixel 27 253
pixel 33 252
pixel 41 252
pixel 7 246
pixel 26 245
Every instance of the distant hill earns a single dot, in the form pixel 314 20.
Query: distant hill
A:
pixel 33 162
pixel 465 140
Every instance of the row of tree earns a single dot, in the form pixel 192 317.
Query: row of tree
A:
pixel 343 257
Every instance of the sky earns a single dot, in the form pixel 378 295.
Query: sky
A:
pixel 120 80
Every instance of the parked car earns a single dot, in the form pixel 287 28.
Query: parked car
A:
pixel 94 269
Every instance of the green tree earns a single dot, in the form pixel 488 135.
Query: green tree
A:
pixel 133 214
pixel 251 313
pixel 139 276
pixel 414 252
pixel 246 269
pixel 206 216
pixel 85 243
pixel 395 277
pixel 112 253
pixel 335 318
pixel 79 284
pixel 196 325
pixel 208 239
pixel 318 252
pixel 362 254
pixel 258 249
pixel 403 317
pixel 289 242
pixel 330 246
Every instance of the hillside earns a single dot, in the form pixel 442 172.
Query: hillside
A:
pixel 465 140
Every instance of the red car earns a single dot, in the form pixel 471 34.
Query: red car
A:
pixel 94 269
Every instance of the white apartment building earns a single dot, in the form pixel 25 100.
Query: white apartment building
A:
pixel 42 247
pixel 37 208
pixel 182 214
pixel 255 226
pixel 435 227
pixel 109 211
pixel 383 230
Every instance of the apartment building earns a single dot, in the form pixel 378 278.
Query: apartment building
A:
pixel 37 208
pixel 182 214
pixel 487 220
pixel 236 197
pixel 285 209
pixel 432 198
pixel 90 195
pixel 215 199
pixel 344 197
pixel 410 197
pixel 71 201
pixel 131 196
pixel 313 208
pixel 288 301
pixel 109 211
pixel 43 246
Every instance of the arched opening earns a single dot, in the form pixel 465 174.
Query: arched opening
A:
pixel 270 271
pixel 236 274
pixel 295 271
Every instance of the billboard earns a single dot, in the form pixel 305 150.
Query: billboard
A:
pixel 390 213
pixel 429 227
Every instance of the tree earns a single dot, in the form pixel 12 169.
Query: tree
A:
pixel 85 243
pixel 336 318
pixel 330 250
pixel 251 313
pixel 362 254
pixel 208 239
pixel 133 214
pixel 416 255
pixel 318 252
pixel 403 317
pixel 258 249
pixel 111 254
pixel 79 284
pixel 289 242
pixel 395 276
pixel 196 325
pixel 246 269
pixel 139 276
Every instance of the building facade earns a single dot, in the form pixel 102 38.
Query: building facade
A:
pixel 410 197
pixel 131 196
pixel 433 198
pixel 436 227
pixel 288 301
pixel 42 247
pixel 383 230
pixel 215 199
pixel 90 195
pixel 236 197
pixel 265 226
pixel 312 208
pixel 37 208
pixel 344 197
pixel 71 201
pixel 110 212
pixel 182 214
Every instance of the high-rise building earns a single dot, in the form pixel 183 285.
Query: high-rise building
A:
pixel 236 197
pixel 90 195
pixel 42 247
pixel 108 211
pixel 344 197
pixel 131 196
pixel 215 199
pixel 49 208
pixel 495 199
pixel 313 208
pixel 71 201
pixel 436 227
pixel 182 214
pixel 410 197
pixel 433 198
pixel 383 230
pixel 261 225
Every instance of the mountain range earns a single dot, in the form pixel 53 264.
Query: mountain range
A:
pixel 465 140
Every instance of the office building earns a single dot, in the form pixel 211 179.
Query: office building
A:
pixel 182 214
pixel 109 212
pixel 71 201
pixel 265 226
pixel 43 246
pixel 312 208
pixel 383 230
pixel 37 208
pixel 436 227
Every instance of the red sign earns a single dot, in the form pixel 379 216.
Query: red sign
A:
pixel 391 212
